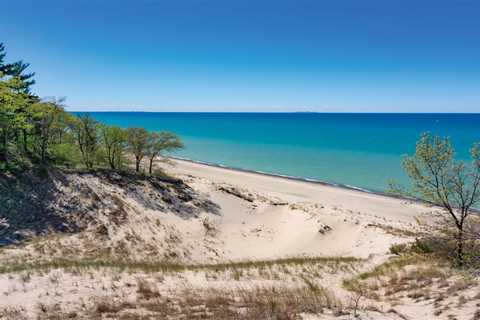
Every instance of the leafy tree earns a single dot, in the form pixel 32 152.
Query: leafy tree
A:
pixel 56 136
pixel 6 119
pixel 113 140
pixel 11 120
pixel 19 82
pixel 161 142
pixel 451 184
pixel 85 131
pixel 46 121
pixel 137 139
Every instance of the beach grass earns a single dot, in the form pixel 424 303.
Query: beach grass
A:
pixel 165 266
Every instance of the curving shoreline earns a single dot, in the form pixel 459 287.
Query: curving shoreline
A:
pixel 299 179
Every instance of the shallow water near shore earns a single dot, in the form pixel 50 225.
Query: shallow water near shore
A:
pixel 357 150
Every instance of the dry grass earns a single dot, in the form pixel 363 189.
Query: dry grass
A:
pixel 414 277
pixel 394 231
pixel 335 263
pixel 254 303
pixel 294 288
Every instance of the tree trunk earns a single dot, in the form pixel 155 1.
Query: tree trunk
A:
pixel 137 165
pixel 151 165
pixel 460 244
pixel 111 159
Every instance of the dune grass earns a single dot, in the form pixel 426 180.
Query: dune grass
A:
pixel 165 266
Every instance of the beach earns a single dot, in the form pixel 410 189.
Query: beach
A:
pixel 288 214
pixel 203 233
pixel 240 160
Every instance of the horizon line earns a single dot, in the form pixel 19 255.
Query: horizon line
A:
pixel 285 112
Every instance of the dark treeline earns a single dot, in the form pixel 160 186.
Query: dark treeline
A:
pixel 36 131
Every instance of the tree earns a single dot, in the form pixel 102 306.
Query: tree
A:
pixel 137 139
pixel 7 108
pixel 159 142
pixel 11 120
pixel 113 140
pixel 20 82
pixel 451 184
pixel 3 67
pixel 17 71
pixel 85 131
pixel 45 117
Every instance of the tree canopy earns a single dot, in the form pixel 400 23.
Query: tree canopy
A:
pixel 35 131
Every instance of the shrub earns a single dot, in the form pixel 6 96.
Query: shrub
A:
pixel 398 248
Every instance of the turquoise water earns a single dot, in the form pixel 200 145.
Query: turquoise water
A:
pixel 360 150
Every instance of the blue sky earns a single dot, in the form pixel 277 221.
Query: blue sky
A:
pixel 245 55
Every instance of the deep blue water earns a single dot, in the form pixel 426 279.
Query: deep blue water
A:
pixel 361 150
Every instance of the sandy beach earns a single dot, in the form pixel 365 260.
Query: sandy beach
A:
pixel 231 234
pixel 288 214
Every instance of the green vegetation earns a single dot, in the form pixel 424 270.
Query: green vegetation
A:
pixel 162 266
pixel 113 141
pixel 161 142
pixel 453 185
pixel 34 131
pixel 137 140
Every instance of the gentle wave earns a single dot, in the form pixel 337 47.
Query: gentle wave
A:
pixel 275 175
pixel 356 151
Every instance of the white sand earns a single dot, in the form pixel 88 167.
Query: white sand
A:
pixel 258 217
pixel 264 230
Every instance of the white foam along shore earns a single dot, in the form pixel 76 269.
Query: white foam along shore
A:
pixel 301 179
pixel 285 176
pixel 297 189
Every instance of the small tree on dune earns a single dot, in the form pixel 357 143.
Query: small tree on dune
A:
pixel 45 117
pixel 137 140
pixel 159 142
pixel 85 131
pixel 113 140
pixel 451 184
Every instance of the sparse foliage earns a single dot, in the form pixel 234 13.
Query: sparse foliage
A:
pixel 46 125
pixel 114 141
pixel 85 131
pixel 159 142
pixel 439 178
pixel 137 139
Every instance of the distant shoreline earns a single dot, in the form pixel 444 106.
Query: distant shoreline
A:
pixel 311 181
pixel 354 151
pixel 294 178
pixel 274 112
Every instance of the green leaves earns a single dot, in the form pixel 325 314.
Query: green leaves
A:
pixel 161 142
pixel 137 139
pixel 51 135
pixel 114 144
pixel 439 178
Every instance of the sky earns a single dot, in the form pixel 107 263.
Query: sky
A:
pixel 246 55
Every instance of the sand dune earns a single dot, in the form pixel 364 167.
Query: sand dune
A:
pixel 214 243
pixel 287 217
